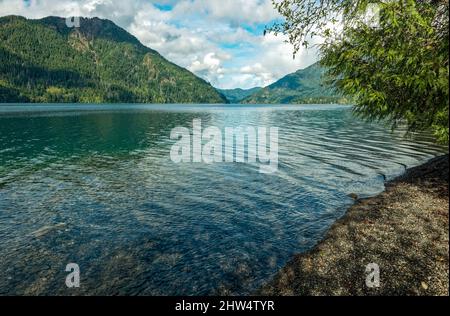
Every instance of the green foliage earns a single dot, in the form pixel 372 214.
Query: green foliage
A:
pixel 237 95
pixel 396 72
pixel 45 61
pixel 305 86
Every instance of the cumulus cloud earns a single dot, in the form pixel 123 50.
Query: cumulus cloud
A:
pixel 220 41
pixel 209 67
pixel 234 12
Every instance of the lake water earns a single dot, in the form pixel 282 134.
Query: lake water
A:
pixel 95 185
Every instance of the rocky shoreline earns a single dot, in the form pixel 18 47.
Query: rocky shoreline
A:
pixel 404 231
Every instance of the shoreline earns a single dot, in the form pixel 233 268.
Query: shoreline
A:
pixel 404 230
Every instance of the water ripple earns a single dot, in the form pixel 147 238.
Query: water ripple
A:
pixel 96 186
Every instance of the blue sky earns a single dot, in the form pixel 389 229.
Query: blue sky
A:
pixel 219 40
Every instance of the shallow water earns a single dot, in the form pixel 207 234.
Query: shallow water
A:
pixel 95 185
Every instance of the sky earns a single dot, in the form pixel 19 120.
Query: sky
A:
pixel 221 41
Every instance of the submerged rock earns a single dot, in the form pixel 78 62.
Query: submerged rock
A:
pixel 47 229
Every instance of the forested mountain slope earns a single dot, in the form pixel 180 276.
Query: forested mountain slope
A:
pixel 46 61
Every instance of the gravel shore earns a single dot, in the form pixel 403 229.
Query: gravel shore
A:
pixel 404 230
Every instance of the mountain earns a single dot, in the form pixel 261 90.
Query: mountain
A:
pixel 304 86
pixel 46 61
pixel 237 95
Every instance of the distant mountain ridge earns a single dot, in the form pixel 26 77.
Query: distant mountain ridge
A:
pixel 46 61
pixel 238 94
pixel 304 86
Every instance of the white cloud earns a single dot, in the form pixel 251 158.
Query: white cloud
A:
pixel 261 74
pixel 235 12
pixel 221 41
pixel 210 67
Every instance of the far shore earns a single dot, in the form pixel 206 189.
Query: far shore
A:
pixel 404 230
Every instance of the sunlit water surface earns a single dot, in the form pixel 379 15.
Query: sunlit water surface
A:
pixel 94 185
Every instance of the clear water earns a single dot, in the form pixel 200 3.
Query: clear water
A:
pixel 95 185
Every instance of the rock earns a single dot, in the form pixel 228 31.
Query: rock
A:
pixel 424 286
pixel 47 229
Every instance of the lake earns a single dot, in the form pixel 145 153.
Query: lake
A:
pixel 95 185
